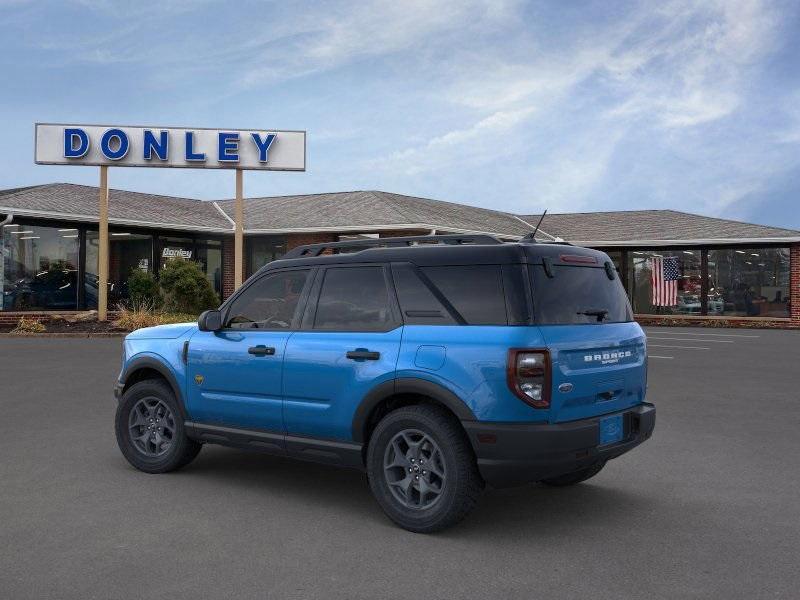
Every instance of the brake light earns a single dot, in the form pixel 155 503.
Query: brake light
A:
pixel 578 258
pixel 528 373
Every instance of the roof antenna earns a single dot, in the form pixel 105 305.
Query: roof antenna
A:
pixel 532 236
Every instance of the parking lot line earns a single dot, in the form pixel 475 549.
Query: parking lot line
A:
pixel 654 356
pixel 736 335
pixel 671 339
pixel 666 346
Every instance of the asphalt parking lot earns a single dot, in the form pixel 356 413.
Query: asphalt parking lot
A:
pixel 708 508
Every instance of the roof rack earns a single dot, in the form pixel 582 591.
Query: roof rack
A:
pixel 312 250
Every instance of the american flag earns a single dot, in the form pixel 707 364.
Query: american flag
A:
pixel 664 277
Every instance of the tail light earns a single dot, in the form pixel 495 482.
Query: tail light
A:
pixel 529 376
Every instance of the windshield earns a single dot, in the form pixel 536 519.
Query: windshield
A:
pixel 578 295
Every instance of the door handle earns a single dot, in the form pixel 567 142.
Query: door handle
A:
pixel 362 354
pixel 261 350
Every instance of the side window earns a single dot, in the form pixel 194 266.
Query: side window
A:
pixel 417 302
pixel 270 303
pixel 354 299
pixel 475 291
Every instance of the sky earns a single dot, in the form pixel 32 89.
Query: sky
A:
pixel 566 105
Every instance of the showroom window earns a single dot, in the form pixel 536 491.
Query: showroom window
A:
pixel 264 249
pixel 209 255
pixel 39 267
pixel 749 282
pixel 666 281
pixel 128 252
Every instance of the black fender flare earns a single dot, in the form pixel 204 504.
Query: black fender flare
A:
pixel 149 362
pixel 407 385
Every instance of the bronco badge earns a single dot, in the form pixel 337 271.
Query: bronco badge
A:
pixel 198 379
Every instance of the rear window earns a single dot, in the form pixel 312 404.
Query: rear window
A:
pixel 578 295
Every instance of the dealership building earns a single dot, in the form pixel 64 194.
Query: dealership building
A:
pixel 726 270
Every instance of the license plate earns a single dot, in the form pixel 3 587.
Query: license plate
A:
pixel 610 429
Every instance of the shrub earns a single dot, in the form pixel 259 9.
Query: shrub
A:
pixel 137 316
pixel 140 315
pixel 185 288
pixel 28 325
pixel 143 289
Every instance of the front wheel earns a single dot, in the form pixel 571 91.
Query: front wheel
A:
pixel 150 431
pixel 575 477
pixel 422 470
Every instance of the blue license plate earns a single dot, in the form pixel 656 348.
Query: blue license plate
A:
pixel 610 429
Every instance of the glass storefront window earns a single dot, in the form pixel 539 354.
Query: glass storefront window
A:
pixel 174 247
pixel 748 282
pixel 128 252
pixel 209 255
pixel 39 268
pixel 681 271
pixel 261 250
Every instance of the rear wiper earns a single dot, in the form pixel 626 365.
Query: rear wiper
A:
pixel 600 313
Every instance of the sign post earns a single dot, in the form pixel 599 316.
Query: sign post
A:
pixel 175 147
pixel 238 241
pixel 103 253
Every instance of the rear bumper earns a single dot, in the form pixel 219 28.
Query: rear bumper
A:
pixel 515 453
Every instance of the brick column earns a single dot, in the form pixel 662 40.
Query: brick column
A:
pixel 794 283
pixel 228 267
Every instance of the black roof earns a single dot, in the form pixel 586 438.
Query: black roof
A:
pixel 485 251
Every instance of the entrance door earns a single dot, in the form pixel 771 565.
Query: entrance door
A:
pixel 234 375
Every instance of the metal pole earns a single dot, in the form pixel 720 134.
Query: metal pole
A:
pixel 238 256
pixel 102 258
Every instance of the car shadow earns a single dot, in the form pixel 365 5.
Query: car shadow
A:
pixel 525 510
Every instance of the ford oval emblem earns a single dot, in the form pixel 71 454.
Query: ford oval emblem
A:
pixel 565 387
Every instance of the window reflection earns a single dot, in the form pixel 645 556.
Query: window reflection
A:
pixel 658 289
pixel 39 268
pixel 128 251
pixel 749 282
pixel 261 250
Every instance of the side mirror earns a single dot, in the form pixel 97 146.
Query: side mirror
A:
pixel 210 320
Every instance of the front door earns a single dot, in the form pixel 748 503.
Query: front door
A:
pixel 349 344
pixel 234 375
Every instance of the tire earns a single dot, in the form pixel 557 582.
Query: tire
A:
pixel 166 447
pixel 575 477
pixel 444 492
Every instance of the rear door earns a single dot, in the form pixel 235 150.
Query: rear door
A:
pixel 598 352
pixel 235 375
pixel 348 344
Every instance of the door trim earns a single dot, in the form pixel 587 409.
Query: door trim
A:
pixel 319 450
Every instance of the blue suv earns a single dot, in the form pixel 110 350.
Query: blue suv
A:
pixel 436 364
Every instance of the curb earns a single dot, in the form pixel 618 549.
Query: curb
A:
pixel 64 335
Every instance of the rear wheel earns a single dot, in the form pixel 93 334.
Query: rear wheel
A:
pixel 422 470
pixel 150 431
pixel 575 477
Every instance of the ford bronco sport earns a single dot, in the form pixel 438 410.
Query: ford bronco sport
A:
pixel 436 364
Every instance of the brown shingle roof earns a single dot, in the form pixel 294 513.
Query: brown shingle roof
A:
pixel 371 210
pixel 70 201
pixel 629 227
pixel 375 210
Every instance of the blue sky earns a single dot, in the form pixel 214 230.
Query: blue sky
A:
pixel 518 106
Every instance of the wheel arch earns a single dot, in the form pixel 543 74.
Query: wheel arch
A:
pixel 403 392
pixel 148 367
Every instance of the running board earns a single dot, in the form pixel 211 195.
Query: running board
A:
pixel 331 452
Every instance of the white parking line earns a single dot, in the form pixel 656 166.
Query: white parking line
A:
pixel 736 335
pixel 654 356
pixel 672 339
pixel 688 347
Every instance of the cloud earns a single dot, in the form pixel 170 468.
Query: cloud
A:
pixel 476 143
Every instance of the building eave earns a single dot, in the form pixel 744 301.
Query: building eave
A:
pixel 686 242
pixel 112 220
